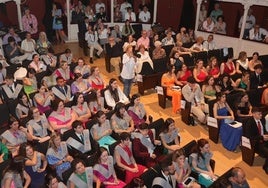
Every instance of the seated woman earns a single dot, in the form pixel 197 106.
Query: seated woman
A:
pixel 200 162
pixel 82 176
pixel 220 25
pixel 80 107
pixel 209 89
pixel 243 108
pixel 183 74
pixel 200 72
pixel 243 83
pixel 30 82
pixel 169 80
pixel 80 85
pixel 144 64
pixel 43 98
pixel 104 170
pixel 113 94
pixel 61 118
pixel 198 46
pixel 43 46
pixel 23 107
pixel 82 68
pixel 213 68
pixel 228 66
pixel 35 164
pixel 53 181
pixel 147 151
pixel 101 131
pixel 96 102
pixel 15 136
pixel 241 63
pixel 95 79
pixel 57 155
pixel 40 129
pixel 169 136
pixel 158 52
pixel 229 135
pixel 137 111
pixel 182 168
pixel 254 61
pixel 67 56
pixel 124 158
pixel 120 120
pixel 63 71
pixel 127 29
pixel 129 41
pixel 15 175
pixel 226 84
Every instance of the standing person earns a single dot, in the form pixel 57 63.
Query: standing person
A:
pixel 255 130
pixel 250 22
pixel 35 164
pixel 124 158
pixel 216 12
pixel 128 70
pixel 14 175
pixel 104 170
pixel 29 22
pixel 238 178
pixel 230 136
pixel 91 37
pixel 57 23
pixel 200 161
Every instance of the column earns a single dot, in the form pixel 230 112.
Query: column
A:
pixel 199 2
pixel 155 11
pixel 19 13
pixel 247 5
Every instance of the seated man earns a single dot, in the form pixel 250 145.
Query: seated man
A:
pixel 238 178
pixel 209 44
pixel 144 15
pixel 146 149
pixel 257 33
pixel 144 40
pixel 193 94
pixel 11 33
pixel 79 141
pixel 165 178
pixel 14 52
pixel 255 130
pixel 257 78
pixel 62 90
pixel 11 90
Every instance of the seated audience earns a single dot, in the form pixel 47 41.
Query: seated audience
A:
pixel 147 151
pixel 57 155
pixel 96 102
pixel 216 12
pixel 257 78
pixel 168 40
pixel 80 143
pixel 82 176
pixel 50 61
pixel 200 72
pixel 193 94
pixel 177 61
pixel 123 8
pixel 144 40
pixel 213 68
pixel 127 29
pixel 169 81
pixel 15 136
pixel 158 52
pixel 198 46
pixel 35 164
pixel 144 64
pixel 228 67
pixel 82 68
pixel 256 131
pixel 242 62
pixel 209 44
pixel 182 36
pixel 67 56
pixel 169 136
pixel 243 83
pixel 243 108
pixel 30 82
pixel 230 136
pixel 64 71
pixel 102 131
pixel 183 74
pixel 130 15
pixel 53 181
pixel 101 15
pixel 200 162
pixel 220 25
pixel 80 107
pixel 11 33
pixel 124 158
pixel 14 53
pixel 113 94
pixel 257 33
pixel 226 84
pixel 103 34
pixel 238 178
pixel 192 35
pixel 116 33
pixel 95 79
pixel 43 46
pixel 254 61
pixel 62 91
pixel 178 48
pixel 210 89
pixel 77 15
pixel 129 41
pixel 61 118
pixel 114 54
pixel 14 175
pixel 80 85
pixel 37 65
pixel 89 13
pixel 43 98
pixel 28 46
pixel 117 14
pixel 144 15
pixel 98 5
pixel 208 25
pixel 23 108
pixel 104 170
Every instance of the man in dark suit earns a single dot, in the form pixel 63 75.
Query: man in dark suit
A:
pixel 165 178
pixel 256 78
pixel 255 130
pixel 80 143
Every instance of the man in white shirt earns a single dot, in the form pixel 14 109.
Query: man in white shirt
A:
pixel 145 15
pixel 98 5
pixel 28 46
pixel 123 8
pixel 257 33
pixel 209 44
pixel 250 22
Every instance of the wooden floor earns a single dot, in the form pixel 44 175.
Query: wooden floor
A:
pixel 224 158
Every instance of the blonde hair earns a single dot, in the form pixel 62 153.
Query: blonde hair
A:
pixel 51 143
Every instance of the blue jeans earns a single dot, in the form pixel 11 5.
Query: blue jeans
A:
pixel 127 86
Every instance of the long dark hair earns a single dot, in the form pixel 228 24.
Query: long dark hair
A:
pixel 166 125
pixel 200 144
pixel 117 109
pixel 114 92
pixel 16 166
pixel 133 98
